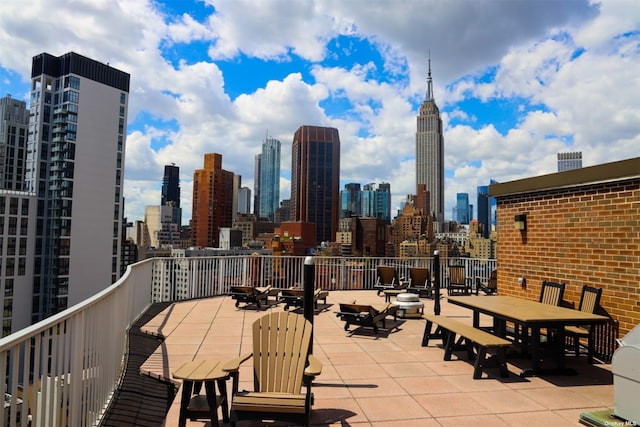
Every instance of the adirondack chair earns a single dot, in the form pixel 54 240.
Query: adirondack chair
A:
pixel 458 281
pixel 490 286
pixel 281 365
pixel 420 282
pixel 387 279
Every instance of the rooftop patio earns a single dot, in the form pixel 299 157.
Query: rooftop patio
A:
pixel 384 379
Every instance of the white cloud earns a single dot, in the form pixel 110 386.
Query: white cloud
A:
pixel 582 102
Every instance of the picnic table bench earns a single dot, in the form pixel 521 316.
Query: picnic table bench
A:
pixel 469 337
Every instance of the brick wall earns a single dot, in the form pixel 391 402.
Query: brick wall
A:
pixel 582 234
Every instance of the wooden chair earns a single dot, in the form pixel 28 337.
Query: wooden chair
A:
pixel 281 366
pixel 589 303
pixel 366 315
pixel 551 293
pixel 387 279
pixel 489 287
pixel 420 282
pixel 458 282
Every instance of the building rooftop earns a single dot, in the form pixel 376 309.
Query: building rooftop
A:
pixel 383 380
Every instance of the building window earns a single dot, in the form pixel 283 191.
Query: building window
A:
pixel 71 96
pixel 72 82
pixel 13 206
pixel 123 97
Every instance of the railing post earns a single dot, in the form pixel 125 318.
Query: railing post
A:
pixel 309 288
pixel 436 273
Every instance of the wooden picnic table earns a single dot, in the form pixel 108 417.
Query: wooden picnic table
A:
pixel 531 315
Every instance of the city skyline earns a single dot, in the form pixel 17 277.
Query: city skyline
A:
pixel 208 77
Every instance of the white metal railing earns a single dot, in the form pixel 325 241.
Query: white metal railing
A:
pixel 177 279
pixel 63 371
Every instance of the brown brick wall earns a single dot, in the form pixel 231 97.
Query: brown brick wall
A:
pixel 578 235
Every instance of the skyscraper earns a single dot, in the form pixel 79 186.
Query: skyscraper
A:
pixel 269 178
pixel 350 200
pixel 462 208
pixel 256 184
pixel 212 205
pixel 315 176
pixel 75 164
pixel 383 202
pixel 569 161
pixel 14 124
pixel 430 153
pixel 17 218
pixel 171 192
pixel 244 200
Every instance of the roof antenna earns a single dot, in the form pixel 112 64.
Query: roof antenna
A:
pixel 429 96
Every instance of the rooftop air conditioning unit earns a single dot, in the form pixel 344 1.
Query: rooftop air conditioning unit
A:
pixel 625 366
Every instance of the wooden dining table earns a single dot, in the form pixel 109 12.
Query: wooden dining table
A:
pixel 533 316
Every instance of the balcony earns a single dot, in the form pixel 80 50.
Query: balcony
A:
pixel 387 379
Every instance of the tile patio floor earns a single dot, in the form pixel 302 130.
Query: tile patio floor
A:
pixel 384 380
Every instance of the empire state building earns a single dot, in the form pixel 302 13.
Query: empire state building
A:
pixel 430 154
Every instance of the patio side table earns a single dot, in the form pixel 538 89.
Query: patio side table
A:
pixel 195 406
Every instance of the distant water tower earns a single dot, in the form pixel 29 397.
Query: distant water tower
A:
pixel 569 161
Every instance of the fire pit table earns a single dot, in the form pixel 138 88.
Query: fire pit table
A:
pixel 409 305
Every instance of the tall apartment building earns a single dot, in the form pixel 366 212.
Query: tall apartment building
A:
pixel 269 178
pixel 368 202
pixel 383 202
pixel 315 179
pixel 75 165
pixel 412 226
pixel 171 192
pixel 257 167
pixel 430 153
pixel 463 209
pixel 14 125
pixel 212 204
pixel 244 200
pixel 350 200
pixel 486 209
pixel 569 161
pixel 17 218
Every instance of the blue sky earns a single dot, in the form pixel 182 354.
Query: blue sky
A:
pixel 516 82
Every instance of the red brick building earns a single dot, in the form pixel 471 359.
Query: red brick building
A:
pixel 212 204
pixel 582 227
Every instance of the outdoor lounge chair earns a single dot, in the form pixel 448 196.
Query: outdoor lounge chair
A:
pixel 295 297
pixel 458 281
pixel 281 365
pixel 250 294
pixel 387 279
pixel 489 287
pixel 366 315
pixel 589 303
pixel 420 282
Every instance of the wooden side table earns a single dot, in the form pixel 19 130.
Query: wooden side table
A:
pixel 198 372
